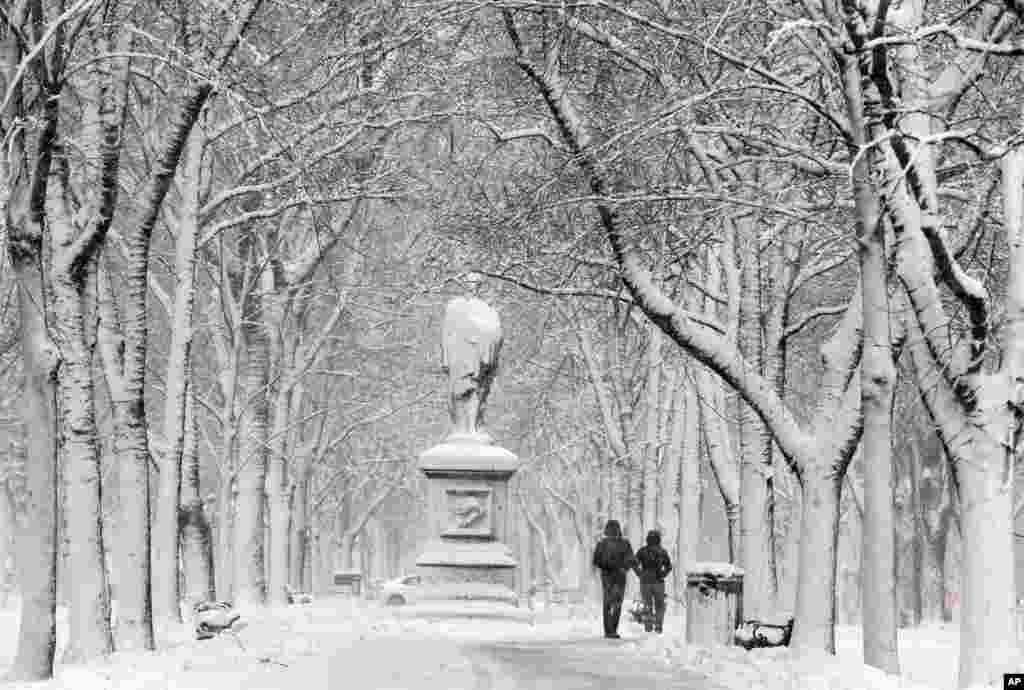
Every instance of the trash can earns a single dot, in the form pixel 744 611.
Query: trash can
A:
pixel 714 603
pixel 347 582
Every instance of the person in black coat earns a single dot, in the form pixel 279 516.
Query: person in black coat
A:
pixel 654 566
pixel 613 556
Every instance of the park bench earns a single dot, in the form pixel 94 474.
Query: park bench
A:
pixel 754 634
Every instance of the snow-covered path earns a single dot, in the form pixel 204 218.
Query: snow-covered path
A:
pixel 591 663
pixel 364 646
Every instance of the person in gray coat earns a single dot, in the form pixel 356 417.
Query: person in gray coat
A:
pixel 655 565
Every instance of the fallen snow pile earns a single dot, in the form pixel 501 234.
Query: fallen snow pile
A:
pixel 303 646
pixel 714 569
pixel 772 668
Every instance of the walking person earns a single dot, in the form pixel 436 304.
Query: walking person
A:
pixel 613 556
pixel 654 566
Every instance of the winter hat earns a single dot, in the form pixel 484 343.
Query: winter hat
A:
pixel 612 528
pixel 654 538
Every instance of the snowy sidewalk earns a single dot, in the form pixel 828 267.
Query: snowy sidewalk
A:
pixel 580 664
pixel 364 646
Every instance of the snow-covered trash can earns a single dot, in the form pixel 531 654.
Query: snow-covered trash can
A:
pixel 714 603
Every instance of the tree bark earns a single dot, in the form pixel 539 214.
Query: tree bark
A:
pixel 711 404
pixel 224 571
pixel 277 497
pixel 134 610
pixel 37 527
pixel 167 537
pixel 89 619
pixel 754 531
pixel 196 535
pixel 652 445
pixel 672 463
pixel 878 373
pixel 815 612
pixel 299 551
pixel 346 550
pixel 689 480
pixel 37 546
pixel 917 561
pixel 249 546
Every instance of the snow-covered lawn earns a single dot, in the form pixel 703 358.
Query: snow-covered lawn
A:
pixel 330 644
pixel 358 644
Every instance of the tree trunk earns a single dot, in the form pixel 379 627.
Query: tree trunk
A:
pixel 987 607
pixel 939 554
pixel 166 537
pixel 277 497
pixel 196 535
pixel 711 402
pixel 89 620
pixel 671 464
pixel 7 530
pixel 878 372
pixel 249 553
pixel 346 550
pixel 524 545
pixel 652 445
pixel 224 571
pixel 917 561
pixel 316 559
pixel 877 377
pixel 134 610
pixel 37 545
pixel 689 492
pixel 815 590
pixel 125 376
pixel 541 542
pixel 299 551
pixel 754 532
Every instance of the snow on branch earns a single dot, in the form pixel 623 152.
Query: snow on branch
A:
pixel 915 211
pixel 615 45
pixel 772 80
pixel 963 42
pixel 523 133
pixel 299 271
pixel 937 394
pixel 811 316
pixel 708 348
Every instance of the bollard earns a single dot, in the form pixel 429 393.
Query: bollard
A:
pixel 714 603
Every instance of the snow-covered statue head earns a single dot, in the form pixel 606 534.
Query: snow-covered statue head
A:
pixel 469 356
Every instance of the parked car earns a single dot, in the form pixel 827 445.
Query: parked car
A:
pixel 410 589
pixel 400 590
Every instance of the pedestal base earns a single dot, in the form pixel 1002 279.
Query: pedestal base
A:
pixel 458 571
pixel 443 609
pixel 465 569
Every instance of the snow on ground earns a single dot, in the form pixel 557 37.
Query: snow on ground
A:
pixel 365 645
pixel 928 654
pixel 332 643
pixel 928 661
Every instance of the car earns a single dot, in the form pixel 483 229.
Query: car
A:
pixel 400 590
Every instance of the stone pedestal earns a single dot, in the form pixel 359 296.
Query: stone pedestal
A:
pixel 466 558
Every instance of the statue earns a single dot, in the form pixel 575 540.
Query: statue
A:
pixel 469 356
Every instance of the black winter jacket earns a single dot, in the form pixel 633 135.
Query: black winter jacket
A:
pixel 654 563
pixel 614 556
